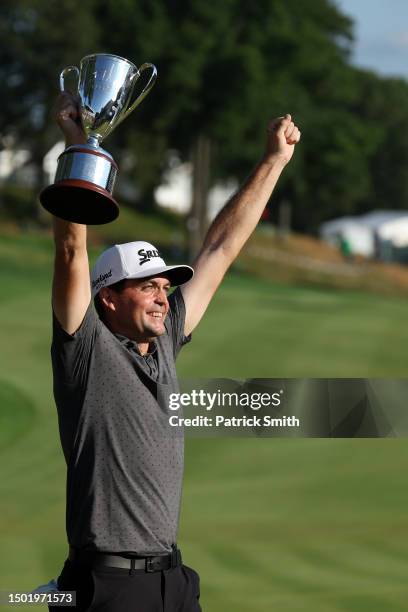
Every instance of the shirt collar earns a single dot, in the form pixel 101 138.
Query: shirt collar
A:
pixel 131 345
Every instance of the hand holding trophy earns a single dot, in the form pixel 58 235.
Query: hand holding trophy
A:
pixel 86 173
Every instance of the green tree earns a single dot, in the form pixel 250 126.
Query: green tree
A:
pixel 224 73
pixel 39 39
pixel 383 104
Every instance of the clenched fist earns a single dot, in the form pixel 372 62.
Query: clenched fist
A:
pixel 283 135
pixel 67 116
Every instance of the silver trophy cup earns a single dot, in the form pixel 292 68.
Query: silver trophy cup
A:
pixel 86 173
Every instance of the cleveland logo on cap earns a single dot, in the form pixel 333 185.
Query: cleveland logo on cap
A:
pixel 101 278
pixel 145 256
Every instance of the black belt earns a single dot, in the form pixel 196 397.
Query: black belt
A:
pixel 148 564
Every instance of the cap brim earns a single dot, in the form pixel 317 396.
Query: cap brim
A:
pixel 177 275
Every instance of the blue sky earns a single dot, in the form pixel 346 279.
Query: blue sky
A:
pixel 381 32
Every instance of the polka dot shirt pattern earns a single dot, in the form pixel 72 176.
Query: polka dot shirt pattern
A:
pixel 124 467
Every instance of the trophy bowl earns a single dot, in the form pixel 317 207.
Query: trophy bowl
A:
pixel 86 173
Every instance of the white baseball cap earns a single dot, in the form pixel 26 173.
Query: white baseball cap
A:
pixel 134 260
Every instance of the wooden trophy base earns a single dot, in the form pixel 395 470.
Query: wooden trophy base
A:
pixel 79 202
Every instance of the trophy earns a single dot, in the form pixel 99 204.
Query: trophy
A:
pixel 86 173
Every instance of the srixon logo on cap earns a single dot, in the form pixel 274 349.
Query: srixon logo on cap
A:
pixel 145 256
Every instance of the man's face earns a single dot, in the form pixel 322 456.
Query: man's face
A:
pixel 141 307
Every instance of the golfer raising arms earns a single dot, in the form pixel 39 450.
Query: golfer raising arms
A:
pixel 116 336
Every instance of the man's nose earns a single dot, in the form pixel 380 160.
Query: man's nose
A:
pixel 161 296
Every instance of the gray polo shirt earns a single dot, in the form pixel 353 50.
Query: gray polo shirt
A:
pixel 124 468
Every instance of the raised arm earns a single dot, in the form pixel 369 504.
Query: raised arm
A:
pixel 71 293
pixel 237 220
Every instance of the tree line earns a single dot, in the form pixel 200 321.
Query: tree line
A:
pixel 225 69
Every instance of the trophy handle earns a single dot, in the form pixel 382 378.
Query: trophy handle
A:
pixel 64 73
pixel 145 91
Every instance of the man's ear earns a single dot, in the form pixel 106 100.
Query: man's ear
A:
pixel 107 297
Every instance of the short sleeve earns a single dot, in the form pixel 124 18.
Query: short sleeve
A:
pixel 71 357
pixel 71 354
pixel 175 321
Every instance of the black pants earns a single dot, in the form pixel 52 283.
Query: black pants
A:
pixel 111 589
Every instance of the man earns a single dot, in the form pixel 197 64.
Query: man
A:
pixel 111 372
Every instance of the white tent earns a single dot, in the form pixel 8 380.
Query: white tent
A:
pixel 380 233
pixel 359 237
pixel 395 231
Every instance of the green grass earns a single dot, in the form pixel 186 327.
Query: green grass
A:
pixel 298 525
pixel 17 414
pixel 254 328
pixel 270 524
